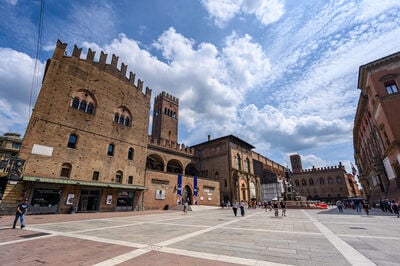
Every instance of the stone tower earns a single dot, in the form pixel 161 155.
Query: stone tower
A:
pixel 295 161
pixel 165 117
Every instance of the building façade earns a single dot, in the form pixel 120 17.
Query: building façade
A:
pixel 326 183
pixel 376 132
pixel 87 148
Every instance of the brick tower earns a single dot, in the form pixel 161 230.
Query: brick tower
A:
pixel 165 117
pixel 295 161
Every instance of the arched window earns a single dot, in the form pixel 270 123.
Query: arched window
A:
pixel 311 182
pixel 116 117
pixel 338 179
pixel 90 108
pixel 72 141
pixel 297 183
pixel 321 181
pixel 330 180
pixel 84 101
pixel 118 177
pixel 110 150
pixel 303 182
pixel 247 165
pixel 130 153
pixel 216 175
pixel 75 103
pixel 82 106
pixel 122 116
pixel 65 170
pixel 237 158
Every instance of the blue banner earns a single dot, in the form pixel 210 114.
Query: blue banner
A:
pixel 195 189
pixel 179 200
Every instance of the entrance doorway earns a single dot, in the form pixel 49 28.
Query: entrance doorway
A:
pixel 89 200
pixel 187 195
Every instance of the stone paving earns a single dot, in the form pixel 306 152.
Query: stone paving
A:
pixel 203 237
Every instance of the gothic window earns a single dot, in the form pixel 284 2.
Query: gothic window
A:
pixel 90 108
pixel 303 182
pixel 66 170
pixel 118 177
pixel 110 150
pixel 338 180
pixel 237 159
pixel 122 116
pixel 83 101
pixel 297 183
pixel 330 180
pixel 72 141
pixel 311 182
pixel 321 181
pixel 82 106
pixel 130 153
pixel 75 103
pixel 247 165
pixel 391 87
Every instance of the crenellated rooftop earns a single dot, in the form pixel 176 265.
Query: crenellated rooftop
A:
pixel 321 169
pixel 171 145
pixel 112 68
pixel 167 95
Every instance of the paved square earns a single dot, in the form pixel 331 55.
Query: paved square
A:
pixel 206 236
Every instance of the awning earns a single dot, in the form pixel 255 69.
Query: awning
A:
pixel 66 181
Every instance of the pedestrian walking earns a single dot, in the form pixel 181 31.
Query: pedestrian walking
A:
pixel 395 208
pixel 235 207
pixel 185 207
pixel 283 208
pixel 339 205
pixel 276 207
pixel 20 213
pixel 242 208
pixel 365 206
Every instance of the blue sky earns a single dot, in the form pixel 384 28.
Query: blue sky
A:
pixel 280 74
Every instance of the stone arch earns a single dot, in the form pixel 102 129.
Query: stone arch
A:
pixel 155 162
pixel 174 166
pixel 243 195
pixel 187 194
pixel 191 169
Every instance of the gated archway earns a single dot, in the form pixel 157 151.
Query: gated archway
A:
pixel 187 194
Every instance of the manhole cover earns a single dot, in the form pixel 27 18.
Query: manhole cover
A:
pixel 35 235
pixel 357 228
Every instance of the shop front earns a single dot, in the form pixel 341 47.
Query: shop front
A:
pixel 59 195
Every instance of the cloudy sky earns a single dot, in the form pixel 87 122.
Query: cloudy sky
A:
pixel 279 74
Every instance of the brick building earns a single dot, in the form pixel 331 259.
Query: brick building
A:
pixel 87 147
pixel 376 133
pixel 326 183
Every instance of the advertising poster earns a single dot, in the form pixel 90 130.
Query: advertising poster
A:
pixel 70 199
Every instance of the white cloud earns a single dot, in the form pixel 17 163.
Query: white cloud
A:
pixel 222 11
pixel 16 70
pixel 266 11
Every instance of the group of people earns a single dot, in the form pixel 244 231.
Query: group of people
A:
pixel 238 205
pixel 356 205
pixel 271 205
pixel 389 206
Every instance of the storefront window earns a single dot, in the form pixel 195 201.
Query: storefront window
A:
pixel 125 198
pixel 45 198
